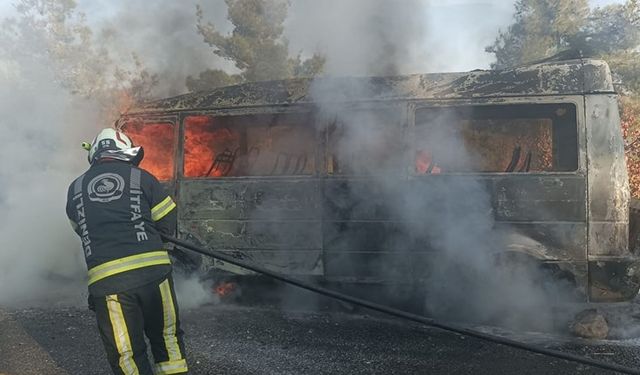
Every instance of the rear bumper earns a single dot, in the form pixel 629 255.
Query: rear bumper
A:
pixel 614 280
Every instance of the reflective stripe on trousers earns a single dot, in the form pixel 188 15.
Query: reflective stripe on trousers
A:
pixel 121 336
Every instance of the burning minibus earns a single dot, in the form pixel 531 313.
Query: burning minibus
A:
pixel 359 180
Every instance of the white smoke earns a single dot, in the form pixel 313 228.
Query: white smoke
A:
pixel 418 37
pixel 43 124
pixel 40 126
pixel 192 292
pixel 162 34
pixel 451 217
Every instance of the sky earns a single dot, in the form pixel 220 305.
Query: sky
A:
pixel 597 3
pixel 458 48
pixel 102 5
pixel 108 6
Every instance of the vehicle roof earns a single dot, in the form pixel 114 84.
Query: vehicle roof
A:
pixel 569 77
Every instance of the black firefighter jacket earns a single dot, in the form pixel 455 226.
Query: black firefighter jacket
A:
pixel 119 211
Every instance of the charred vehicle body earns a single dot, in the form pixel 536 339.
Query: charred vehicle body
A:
pixel 270 172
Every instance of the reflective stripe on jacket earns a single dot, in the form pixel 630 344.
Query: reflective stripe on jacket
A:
pixel 152 258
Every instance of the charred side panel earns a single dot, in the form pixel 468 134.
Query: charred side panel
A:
pixel 244 199
pixel 546 213
pixel 608 181
pixel 249 235
pixel 634 226
pixel 543 216
pixel 613 269
pixel 550 241
pixel 539 198
pixel 274 223
pixel 358 200
pixel 363 237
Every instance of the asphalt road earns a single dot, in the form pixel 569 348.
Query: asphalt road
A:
pixel 234 339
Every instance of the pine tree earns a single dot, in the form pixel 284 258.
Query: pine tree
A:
pixel 541 28
pixel 256 46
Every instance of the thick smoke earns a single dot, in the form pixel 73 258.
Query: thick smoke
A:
pixel 378 37
pixel 40 125
pixel 381 40
pixel 193 292
pixel 162 34
pixel 56 93
pixel 463 276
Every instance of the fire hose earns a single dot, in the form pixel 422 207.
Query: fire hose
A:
pixel 402 314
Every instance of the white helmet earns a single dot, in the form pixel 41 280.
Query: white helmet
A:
pixel 114 144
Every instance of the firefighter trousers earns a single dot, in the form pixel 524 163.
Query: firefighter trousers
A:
pixel 125 318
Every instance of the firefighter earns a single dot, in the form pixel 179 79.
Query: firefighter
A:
pixel 119 211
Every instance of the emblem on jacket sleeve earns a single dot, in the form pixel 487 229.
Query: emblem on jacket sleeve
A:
pixel 106 187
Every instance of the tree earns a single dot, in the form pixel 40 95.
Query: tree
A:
pixel 612 28
pixel 256 46
pixel 52 34
pixel 210 79
pixel 614 35
pixel 541 29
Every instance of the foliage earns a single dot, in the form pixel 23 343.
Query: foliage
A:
pixel 612 28
pixel 256 46
pixel 53 34
pixel 625 66
pixel 541 28
pixel 630 121
pixel 212 78
pixel 613 34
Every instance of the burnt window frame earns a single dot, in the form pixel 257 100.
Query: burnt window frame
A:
pixel 576 102
pixel 248 111
pixel 404 123
pixel 172 119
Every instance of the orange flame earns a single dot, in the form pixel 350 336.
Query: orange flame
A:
pixel 158 141
pixel 224 289
pixel 202 144
pixel 425 163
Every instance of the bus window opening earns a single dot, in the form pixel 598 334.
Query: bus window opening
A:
pixel 494 139
pixel 365 142
pixel 158 141
pixel 251 145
